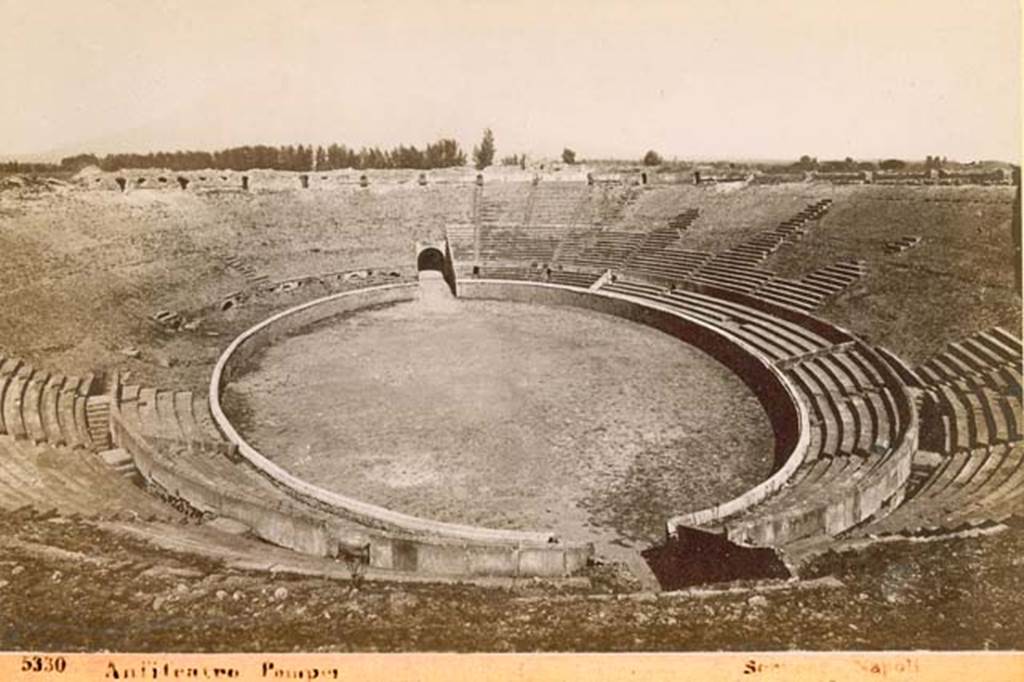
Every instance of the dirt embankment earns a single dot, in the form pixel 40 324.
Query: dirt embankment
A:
pixel 64 585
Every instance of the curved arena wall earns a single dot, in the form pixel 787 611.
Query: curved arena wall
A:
pixel 880 485
pixel 788 416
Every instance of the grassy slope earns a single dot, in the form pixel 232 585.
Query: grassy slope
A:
pixel 957 281
pixel 83 270
pixel 729 214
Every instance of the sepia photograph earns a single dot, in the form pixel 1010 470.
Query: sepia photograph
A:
pixel 480 327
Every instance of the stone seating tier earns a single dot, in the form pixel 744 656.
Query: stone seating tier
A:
pixel 43 407
pixel 954 418
pixel 212 483
pixel 970 488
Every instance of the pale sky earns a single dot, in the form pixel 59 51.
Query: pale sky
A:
pixel 691 78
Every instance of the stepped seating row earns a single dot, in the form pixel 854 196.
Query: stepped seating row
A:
pixel 765 244
pixel 252 276
pixel 989 358
pixel 848 418
pixel 502 203
pixel 790 292
pixel 899 366
pixel 70 481
pixel 811 482
pixel 462 239
pixel 735 269
pixel 560 204
pixel 954 419
pixel 969 488
pixel 1006 379
pixel 598 250
pixel 971 393
pixel 571 278
pixel 516 247
pixel 728 273
pixel 210 481
pixel 498 213
pixel 971 415
pixel 654 243
pixel 682 221
pixel 777 338
pixel 669 265
pixel 45 407
pixel 793 228
pixel 171 415
pixel 516 272
pixel 755 250
pixel 557 203
pixel 811 290
pixel 901 244
pixel 660 259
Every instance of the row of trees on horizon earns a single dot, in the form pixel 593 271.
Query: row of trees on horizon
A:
pixel 444 153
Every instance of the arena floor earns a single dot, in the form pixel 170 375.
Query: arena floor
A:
pixel 507 415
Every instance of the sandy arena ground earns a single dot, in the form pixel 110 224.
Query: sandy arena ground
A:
pixel 508 415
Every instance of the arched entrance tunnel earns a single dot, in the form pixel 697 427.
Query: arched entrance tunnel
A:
pixel 430 258
pixel 435 269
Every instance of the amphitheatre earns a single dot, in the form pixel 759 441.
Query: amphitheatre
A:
pixel 583 386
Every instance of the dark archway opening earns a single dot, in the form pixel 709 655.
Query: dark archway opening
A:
pixel 304 180
pixel 121 182
pixel 183 181
pixel 430 259
pixel 696 557
pixel 245 182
